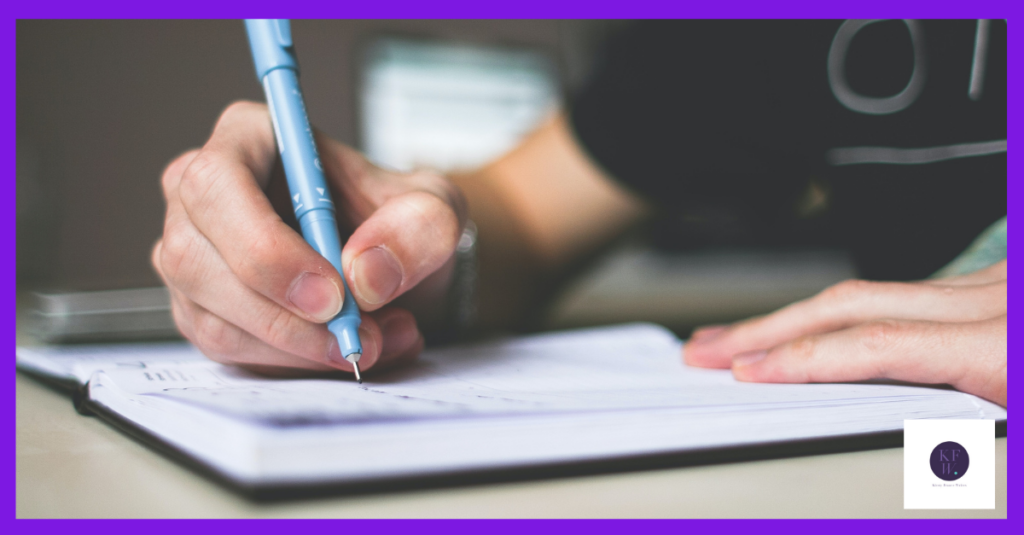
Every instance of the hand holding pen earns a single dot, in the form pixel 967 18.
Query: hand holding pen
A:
pixel 247 289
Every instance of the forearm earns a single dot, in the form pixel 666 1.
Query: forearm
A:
pixel 539 210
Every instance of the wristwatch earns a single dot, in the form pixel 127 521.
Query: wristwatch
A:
pixel 460 301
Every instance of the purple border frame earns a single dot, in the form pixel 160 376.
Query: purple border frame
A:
pixel 479 9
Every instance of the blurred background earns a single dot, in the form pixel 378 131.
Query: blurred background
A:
pixel 102 106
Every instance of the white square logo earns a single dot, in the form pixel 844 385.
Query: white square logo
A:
pixel 949 464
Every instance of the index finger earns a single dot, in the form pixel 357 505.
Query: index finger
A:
pixel 970 356
pixel 220 191
pixel 844 305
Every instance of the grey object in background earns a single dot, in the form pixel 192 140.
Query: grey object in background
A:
pixel 686 290
pixel 115 315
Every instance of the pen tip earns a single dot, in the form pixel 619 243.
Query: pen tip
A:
pixel 354 359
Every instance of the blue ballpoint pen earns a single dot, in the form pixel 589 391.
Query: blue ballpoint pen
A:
pixel 278 71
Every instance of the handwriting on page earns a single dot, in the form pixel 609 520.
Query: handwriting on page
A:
pixel 631 368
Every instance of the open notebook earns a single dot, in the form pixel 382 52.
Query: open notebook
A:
pixel 586 396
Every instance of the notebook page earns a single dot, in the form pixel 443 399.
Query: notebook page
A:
pixel 622 368
pixel 78 362
pixel 569 396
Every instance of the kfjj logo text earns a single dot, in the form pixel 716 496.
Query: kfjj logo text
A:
pixel 950 461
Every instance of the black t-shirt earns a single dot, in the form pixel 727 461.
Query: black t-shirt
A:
pixel 723 125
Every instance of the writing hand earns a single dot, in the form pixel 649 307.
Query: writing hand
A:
pixel 248 290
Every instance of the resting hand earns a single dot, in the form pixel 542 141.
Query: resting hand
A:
pixel 248 290
pixel 944 331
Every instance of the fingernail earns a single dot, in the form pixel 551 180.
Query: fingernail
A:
pixel 334 354
pixel 750 357
pixel 316 296
pixel 376 275
pixel 371 353
pixel 708 333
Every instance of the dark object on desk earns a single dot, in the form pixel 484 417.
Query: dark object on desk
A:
pixel 112 315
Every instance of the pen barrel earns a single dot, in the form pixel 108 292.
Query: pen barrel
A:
pixel 310 196
pixel 295 142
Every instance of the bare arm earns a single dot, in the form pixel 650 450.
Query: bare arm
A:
pixel 539 209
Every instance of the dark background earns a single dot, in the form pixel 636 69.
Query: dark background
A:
pixel 102 106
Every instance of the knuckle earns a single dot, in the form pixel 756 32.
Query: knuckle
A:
pixel 879 336
pixel 428 203
pixel 261 255
pixel 446 190
pixel 436 216
pixel 216 337
pixel 198 179
pixel 177 249
pixel 846 290
pixel 277 328
pixel 155 255
pixel 804 348
pixel 171 176
pixel 239 109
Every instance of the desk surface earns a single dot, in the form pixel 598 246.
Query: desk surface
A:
pixel 73 466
